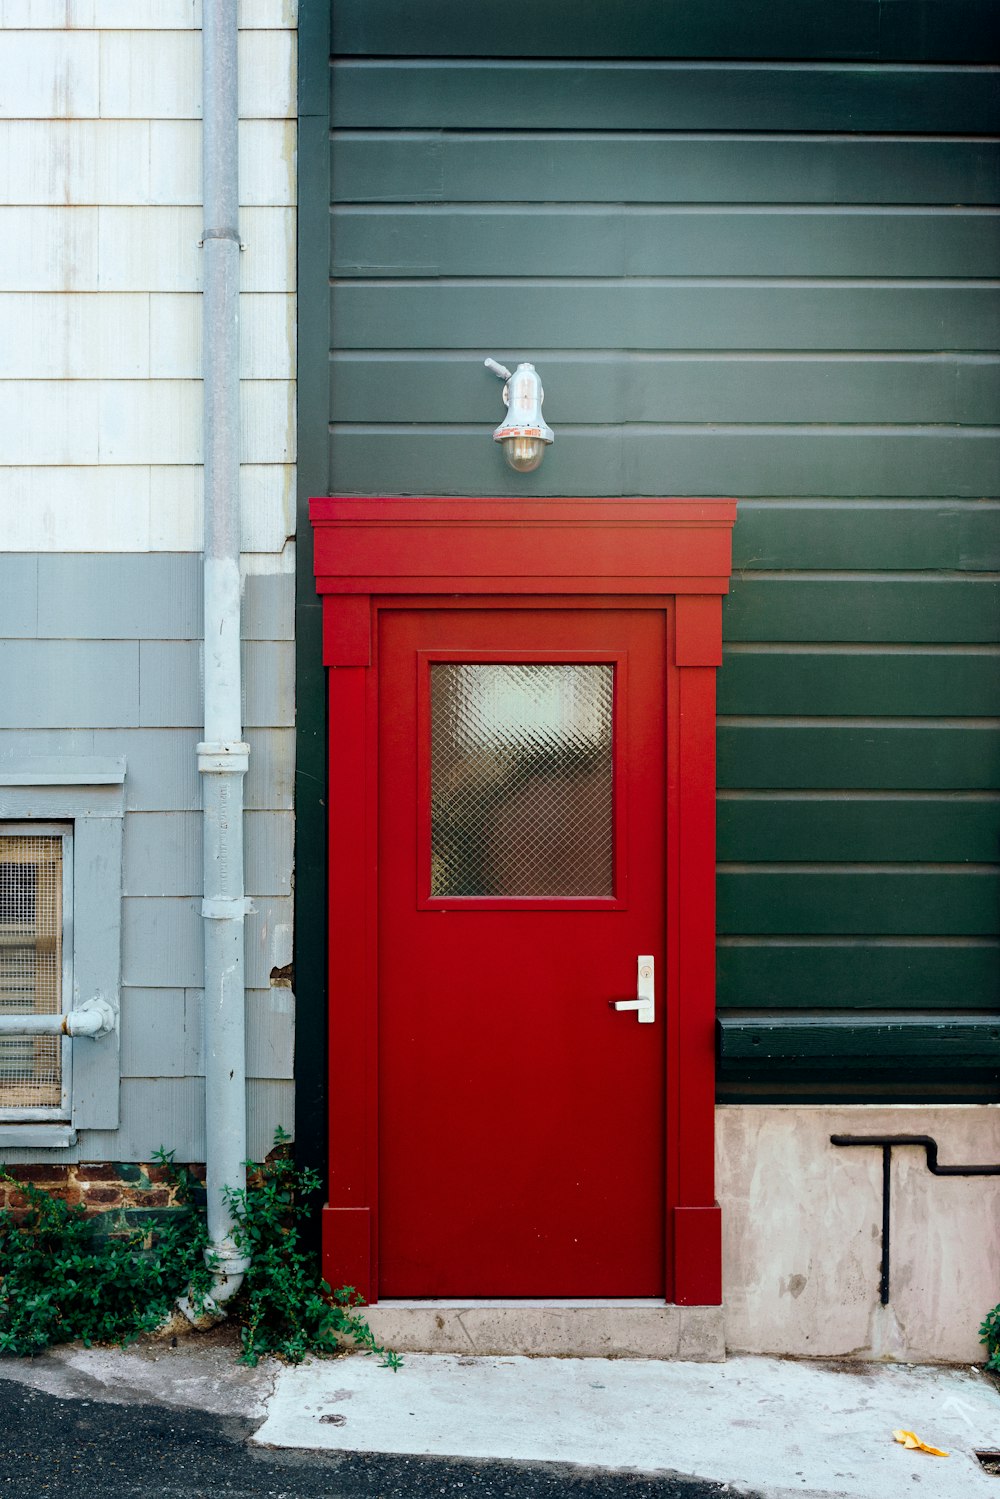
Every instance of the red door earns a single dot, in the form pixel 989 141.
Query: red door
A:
pixel 521 877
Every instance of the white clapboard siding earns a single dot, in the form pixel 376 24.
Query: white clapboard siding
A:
pixel 156 75
pixel 137 15
pixel 157 249
pixel 267 337
pixel 50 75
pixel 48 249
pixel 53 509
pixel 140 162
pixel 61 422
pixel 45 336
pixel 136 508
pixel 135 336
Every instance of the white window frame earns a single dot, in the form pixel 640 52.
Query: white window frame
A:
pixel 60 1111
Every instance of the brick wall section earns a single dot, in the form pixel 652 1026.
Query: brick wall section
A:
pixel 102 1187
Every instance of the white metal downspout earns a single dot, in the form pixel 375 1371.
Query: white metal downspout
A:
pixel 222 757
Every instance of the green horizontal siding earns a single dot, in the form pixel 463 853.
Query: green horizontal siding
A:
pixel 587 167
pixel 411 94
pixel 860 901
pixel 752 251
pixel 776 975
pixel 643 240
pixel 914 608
pixel 926 828
pixel 602 386
pixel 906 30
pixel 910 684
pixel 863 535
pixel 644 314
pixel 647 460
pixel 869 755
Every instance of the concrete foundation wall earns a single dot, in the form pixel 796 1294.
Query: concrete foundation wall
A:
pixel 802 1223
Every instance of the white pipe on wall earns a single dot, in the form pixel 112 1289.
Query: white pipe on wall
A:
pixel 223 757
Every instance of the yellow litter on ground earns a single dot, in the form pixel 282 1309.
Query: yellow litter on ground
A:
pixel 910 1439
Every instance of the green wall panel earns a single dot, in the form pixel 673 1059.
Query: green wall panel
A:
pixel 868 30
pixel 752 250
pixel 634 240
pixel 664 95
pixel 374 166
pixel 854 828
pixel 939 683
pixel 912 608
pixel 873 901
pixel 678 460
pixel 871 975
pixel 868 534
pixel 870 755
pixel 602 386
pixel 657 314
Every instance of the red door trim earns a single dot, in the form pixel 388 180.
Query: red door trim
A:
pixel 381 553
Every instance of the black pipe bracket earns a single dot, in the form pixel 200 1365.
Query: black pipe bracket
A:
pixel 887 1143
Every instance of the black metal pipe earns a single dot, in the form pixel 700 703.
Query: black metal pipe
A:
pixel 887 1144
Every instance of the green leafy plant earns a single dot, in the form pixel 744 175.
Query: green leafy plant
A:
pixel 63 1279
pixel 284 1307
pixel 989 1334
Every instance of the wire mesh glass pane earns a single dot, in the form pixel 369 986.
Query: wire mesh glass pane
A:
pixel 31 927
pixel 521 779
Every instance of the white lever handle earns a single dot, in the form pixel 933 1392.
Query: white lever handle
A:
pixel 644 1003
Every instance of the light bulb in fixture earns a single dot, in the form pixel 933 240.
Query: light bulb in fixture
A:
pixel 525 434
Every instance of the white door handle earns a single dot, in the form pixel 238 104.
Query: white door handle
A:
pixel 644 1003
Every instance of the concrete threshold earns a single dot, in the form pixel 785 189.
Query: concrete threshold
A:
pixel 625 1328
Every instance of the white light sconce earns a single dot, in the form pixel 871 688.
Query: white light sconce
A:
pixel 524 434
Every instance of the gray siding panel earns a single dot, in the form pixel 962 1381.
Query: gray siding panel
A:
pixel 18 595
pixel 154 1037
pixel 163 853
pixel 122 595
pixel 162 943
pixel 162 1033
pixel 269 606
pixel 51 683
pixel 170 683
pixel 170 1112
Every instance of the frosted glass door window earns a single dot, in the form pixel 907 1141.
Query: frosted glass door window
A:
pixel 521 779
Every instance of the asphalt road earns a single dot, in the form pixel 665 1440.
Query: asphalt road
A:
pixel 82 1449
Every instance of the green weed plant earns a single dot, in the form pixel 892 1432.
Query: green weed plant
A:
pixel 63 1279
pixel 989 1334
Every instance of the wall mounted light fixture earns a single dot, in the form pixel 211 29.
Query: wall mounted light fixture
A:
pixel 524 434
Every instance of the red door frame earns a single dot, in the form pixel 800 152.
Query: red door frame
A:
pixel 386 553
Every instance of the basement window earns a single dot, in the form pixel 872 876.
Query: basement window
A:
pixel 61 829
pixel 36 966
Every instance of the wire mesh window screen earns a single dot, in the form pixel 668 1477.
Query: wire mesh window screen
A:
pixel 522 779
pixel 31 966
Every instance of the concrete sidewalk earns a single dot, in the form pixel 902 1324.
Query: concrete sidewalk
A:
pixel 769 1425
pixel 762 1426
